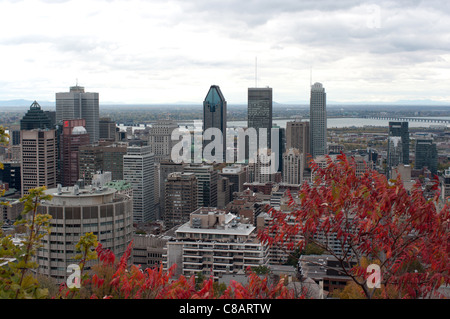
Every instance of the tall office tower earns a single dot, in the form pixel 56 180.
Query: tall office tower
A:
pixel 38 158
pixel 76 211
pixel 259 112
pixel 163 170
pixel 426 155
pixel 35 118
pixel 107 129
pixel 73 136
pixel 160 139
pixel 207 179
pixel 180 198
pixel 297 136
pixel 318 120
pixel 139 170
pixel 215 116
pixel 78 104
pixel 293 166
pixel 401 129
pixel 394 153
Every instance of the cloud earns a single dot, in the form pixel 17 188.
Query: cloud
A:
pixel 136 46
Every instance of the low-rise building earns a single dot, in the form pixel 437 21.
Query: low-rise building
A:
pixel 214 243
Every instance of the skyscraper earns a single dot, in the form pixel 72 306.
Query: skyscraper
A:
pixel 215 116
pixel 38 158
pixel 426 155
pixel 207 178
pixel 180 198
pixel 318 120
pixel 293 166
pixel 259 112
pixel 35 118
pixel 394 154
pixel 297 136
pixel 78 104
pixel 160 139
pixel 401 129
pixel 139 170
pixel 73 136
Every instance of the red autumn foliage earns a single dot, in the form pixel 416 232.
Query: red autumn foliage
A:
pixel 372 218
pixel 130 282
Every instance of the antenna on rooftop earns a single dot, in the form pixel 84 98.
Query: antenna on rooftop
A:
pixel 256 72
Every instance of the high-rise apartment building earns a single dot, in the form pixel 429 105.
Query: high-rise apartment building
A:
pixel 297 136
pixel 38 158
pixel 139 170
pixel 77 104
pixel 73 136
pixel 215 116
pixel 160 139
pixel 400 129
pixel 293 166
pixel 180 198
pixel 318 120
pixel 426 155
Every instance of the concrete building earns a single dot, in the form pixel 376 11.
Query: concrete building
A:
pixel 73 136
pixel 180 198
pixel 207 179
pixel 148 250
pixel 76 211
pixel 139 171
pixel 38 158
pixel 297 136
pixel 160 139
pixel 237 175
pixel 107 157
pixel 107 129
pixel 215 243
pixel 318 120
pixel 293 166
pixel 77 104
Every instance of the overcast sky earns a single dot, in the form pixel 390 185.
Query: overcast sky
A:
pixel 170 51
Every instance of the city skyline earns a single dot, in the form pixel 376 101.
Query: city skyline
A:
pixel 143 52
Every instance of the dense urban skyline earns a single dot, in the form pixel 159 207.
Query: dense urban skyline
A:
pixel 143 52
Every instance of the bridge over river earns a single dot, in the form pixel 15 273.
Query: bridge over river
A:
pixel 409 119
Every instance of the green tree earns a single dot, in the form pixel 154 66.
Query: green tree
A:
pixel 16 277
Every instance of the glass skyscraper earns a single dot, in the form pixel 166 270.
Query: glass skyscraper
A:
pixel 318 120
pixel 259 112
pixel 215 115
pixel 400 129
